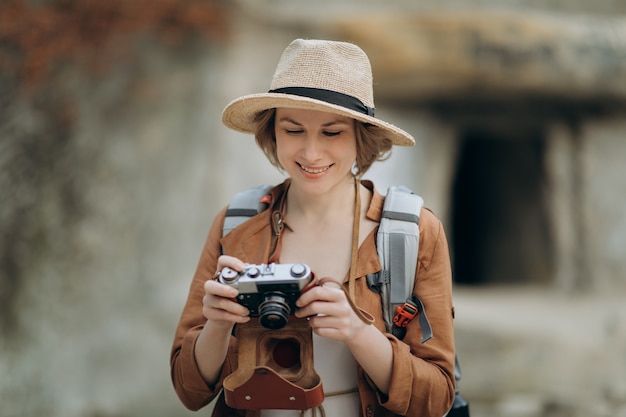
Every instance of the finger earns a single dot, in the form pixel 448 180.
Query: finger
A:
pixel 222 297
pixel 223 315
pixel 333 328
pixel 212 287
pixel 227 304
pixel 220 308
pixel 230 261
pixel 320 293
pixel 323 308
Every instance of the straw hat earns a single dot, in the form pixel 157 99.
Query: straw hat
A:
pixel 329 76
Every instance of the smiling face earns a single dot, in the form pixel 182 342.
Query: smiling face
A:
pixel 317 149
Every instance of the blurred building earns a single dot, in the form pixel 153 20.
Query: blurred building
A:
pixel 112 170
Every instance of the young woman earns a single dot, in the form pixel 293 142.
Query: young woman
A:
pixel 317 125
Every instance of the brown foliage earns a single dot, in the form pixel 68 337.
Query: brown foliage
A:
pixel 36 36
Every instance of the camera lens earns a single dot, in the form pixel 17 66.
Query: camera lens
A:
pixel 273 311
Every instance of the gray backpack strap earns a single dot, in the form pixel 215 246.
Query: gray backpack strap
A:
pixel 245 204
pixel 398 244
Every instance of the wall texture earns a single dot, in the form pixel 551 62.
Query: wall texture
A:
pixel 113 162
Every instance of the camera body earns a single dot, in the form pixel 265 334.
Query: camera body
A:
pixel 269 291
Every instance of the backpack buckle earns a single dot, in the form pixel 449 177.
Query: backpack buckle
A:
pixel 405 313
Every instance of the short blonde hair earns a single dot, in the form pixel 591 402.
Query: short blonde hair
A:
pixel 371 143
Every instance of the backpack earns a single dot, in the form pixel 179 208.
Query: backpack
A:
pixel 397 244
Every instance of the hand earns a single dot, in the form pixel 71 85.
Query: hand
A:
pixel 330 314
pixel 219 304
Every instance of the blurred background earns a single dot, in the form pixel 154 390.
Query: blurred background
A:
pixel 113 161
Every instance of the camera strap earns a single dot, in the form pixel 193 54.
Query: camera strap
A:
pixel 351 296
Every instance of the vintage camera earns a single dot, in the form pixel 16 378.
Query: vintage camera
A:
pixel 275 368
pixel 269 291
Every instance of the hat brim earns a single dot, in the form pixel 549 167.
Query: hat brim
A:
pixel 240 113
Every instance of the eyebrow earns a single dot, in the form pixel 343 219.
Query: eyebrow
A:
pixel 332 122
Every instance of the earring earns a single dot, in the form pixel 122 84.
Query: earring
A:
pixel 354 170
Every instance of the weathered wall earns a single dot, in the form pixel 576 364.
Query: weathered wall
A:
pixel 604 196
pixel 100 166
pixel 91 319
pixel 110 180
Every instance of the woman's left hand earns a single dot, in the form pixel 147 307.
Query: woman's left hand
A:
pixel 330 314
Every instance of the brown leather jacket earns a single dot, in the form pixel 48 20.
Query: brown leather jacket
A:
pixel 423 374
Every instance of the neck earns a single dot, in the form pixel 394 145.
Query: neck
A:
pixel 337 201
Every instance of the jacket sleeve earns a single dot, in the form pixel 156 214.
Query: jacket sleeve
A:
pixel 423 381
pixel 189 385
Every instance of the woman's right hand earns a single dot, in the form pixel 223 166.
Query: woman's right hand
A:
pixel 219 303
pixel 220 308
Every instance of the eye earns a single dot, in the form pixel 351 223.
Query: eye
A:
pixel 332 134
pixel 293 131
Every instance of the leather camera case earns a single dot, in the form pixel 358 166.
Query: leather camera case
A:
pixel 275 369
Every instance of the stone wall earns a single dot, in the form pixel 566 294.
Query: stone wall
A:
pixel 100 237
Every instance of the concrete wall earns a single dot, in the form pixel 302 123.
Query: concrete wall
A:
pixel 112 223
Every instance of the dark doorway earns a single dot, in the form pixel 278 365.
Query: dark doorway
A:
pixel 499 219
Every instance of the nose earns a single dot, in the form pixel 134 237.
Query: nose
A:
pixel 311 148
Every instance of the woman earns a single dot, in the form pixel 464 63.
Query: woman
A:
pixel 317 125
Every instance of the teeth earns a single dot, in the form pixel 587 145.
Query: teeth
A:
pixel 313 171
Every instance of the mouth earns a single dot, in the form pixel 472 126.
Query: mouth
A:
pixel 310 170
